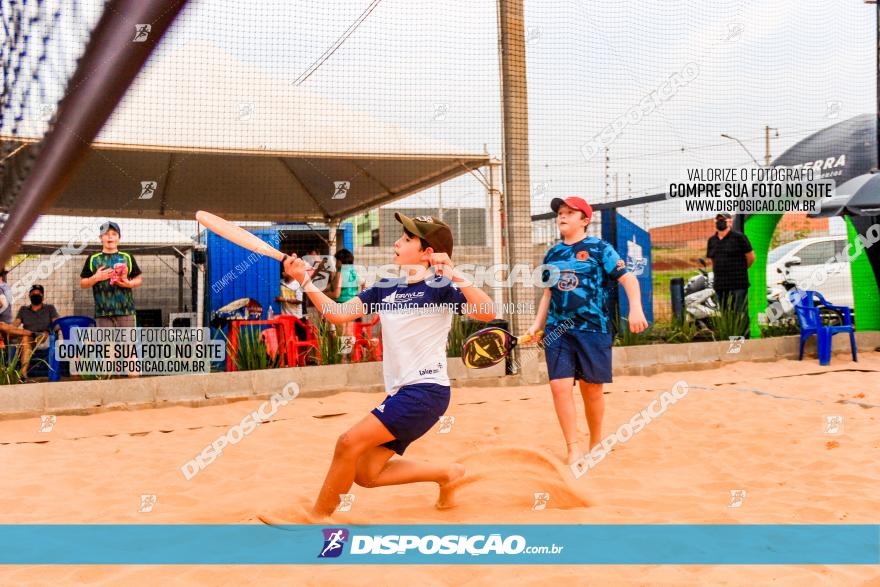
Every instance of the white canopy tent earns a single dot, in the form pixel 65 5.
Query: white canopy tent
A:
pixel 49 234
pixel 205 131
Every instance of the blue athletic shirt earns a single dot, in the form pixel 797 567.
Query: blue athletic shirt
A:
pixel 415 320
pixel 587 271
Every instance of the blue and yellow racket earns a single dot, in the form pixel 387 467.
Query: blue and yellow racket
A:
pixel 489 346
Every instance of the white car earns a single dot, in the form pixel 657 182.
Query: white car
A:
pixel 802 257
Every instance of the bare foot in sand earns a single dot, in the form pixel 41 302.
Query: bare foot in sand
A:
pixel 287 518
pixel 574 454
pixel 448 487
pixel 299 513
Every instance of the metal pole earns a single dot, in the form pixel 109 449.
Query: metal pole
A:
pixel 727 136
pixel 332 227
pixel 515 140
pixel 200 295
pixel 495 245
pixel 607 175
pixel 440 201
pixel 767 156
pixel 179 283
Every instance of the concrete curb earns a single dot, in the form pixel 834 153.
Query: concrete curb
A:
pixel 650 359
pixel 87 397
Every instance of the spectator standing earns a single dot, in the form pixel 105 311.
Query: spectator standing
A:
pixel 731 255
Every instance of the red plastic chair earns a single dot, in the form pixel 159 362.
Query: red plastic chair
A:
pixel 365 344
pixel 297 350
pixel 270 339
pixel 236 325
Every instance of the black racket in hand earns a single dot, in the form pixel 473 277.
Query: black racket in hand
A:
pixel 489 346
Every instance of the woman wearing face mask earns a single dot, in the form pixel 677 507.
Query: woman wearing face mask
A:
pixel 38 319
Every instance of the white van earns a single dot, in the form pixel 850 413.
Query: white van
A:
pixel 803 257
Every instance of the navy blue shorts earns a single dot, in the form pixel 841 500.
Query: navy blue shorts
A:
pixel 411 412
pixel 580 355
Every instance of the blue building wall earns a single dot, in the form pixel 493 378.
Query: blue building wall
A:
pixel 234 272
pixel 347 235
pixel 620 235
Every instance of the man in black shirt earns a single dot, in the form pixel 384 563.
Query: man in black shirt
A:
pixel 38 318
pixel 731 255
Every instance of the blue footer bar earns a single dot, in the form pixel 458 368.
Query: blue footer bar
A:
pixel 440 544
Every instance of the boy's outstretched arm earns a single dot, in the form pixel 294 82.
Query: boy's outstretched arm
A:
pixel 541 316
pixel 637 320
pixel 479 305
pixel 332 311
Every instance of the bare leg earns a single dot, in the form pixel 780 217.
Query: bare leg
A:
pixel 27 349
pixel 594 405
pixel 563 402
pixel 366 434
pixel 376 469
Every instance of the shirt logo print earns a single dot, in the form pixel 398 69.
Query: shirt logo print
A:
pixel 567 281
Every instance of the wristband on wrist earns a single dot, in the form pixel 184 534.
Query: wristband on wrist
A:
pixel 462 282
pixel 307 283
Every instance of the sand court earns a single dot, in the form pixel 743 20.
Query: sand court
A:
pixel 761 429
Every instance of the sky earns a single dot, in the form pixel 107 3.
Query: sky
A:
pixel 432 68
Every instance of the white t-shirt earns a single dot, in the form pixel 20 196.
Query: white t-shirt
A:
pixel 292 290
pixel 415 320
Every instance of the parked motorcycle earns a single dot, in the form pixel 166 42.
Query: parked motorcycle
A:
pixel 780 295
pixel 699 297
pixel 783 293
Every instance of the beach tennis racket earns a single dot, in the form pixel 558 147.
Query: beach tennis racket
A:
pixel 235 234
pixel 489 346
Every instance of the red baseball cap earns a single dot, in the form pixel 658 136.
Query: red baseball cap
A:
pixel 572 202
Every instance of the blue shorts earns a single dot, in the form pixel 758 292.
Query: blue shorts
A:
pixel 411 412
pixel 579 354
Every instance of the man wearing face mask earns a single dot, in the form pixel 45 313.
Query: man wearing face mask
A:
pixel 38 319
pixel 731 255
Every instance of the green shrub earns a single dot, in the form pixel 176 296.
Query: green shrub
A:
pixel 10 368
pixel 623 336
pixel 252 354
pixel 102 377
pixel 329 344
pixel 786 327
pixel 730 321
pixel 691 331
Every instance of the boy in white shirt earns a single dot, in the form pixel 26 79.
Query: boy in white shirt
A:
pixel 415 323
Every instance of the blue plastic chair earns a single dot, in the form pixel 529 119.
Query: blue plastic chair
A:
pixel 64 324
pixel 809 318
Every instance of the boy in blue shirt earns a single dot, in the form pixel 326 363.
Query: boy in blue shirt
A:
pixel 575 310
